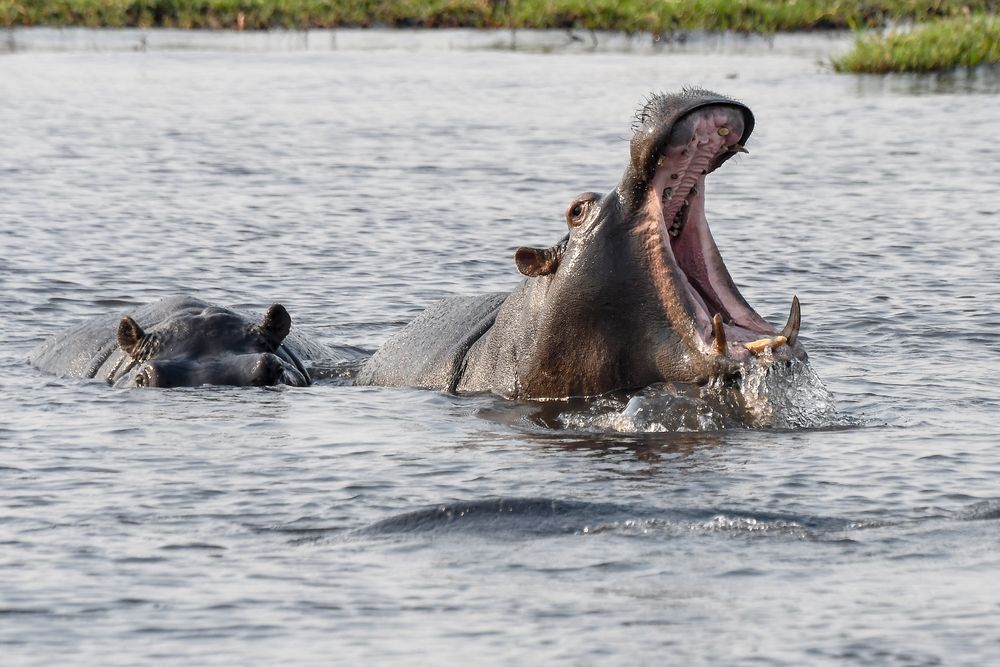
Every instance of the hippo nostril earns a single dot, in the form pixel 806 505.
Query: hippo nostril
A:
pixel 146 376
pixel 268 371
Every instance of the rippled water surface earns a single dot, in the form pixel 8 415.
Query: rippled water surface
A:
pixel 378 526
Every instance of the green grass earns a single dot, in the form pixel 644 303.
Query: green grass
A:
pixel 657 16
pixel 940 45
pixel 959 32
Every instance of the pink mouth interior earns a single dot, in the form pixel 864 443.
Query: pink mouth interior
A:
pixel 687 242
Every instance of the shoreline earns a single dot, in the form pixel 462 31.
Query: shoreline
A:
pixel 840 51
pixel 813 44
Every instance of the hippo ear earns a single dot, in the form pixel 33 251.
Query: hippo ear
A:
pixel 277 322
pixel 130 336
pixel 534 262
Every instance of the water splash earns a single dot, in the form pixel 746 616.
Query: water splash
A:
pixel 767 395
pixel 750 525
pixel 786 396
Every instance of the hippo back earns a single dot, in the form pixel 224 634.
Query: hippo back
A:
pixel 429 352
pixel 87 350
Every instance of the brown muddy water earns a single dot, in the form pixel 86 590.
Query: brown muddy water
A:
pixel 348 525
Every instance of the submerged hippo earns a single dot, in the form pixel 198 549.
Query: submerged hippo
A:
pixel 637 293
pixel 179 342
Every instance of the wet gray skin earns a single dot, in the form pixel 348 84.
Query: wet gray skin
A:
pixel 637 293
pixel 179 342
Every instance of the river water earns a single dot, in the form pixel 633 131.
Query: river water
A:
pixel 336 524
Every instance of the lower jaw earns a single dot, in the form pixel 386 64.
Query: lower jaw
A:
pixel 731 369
pixel 739 344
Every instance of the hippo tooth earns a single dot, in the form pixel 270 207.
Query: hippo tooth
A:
pixel 758 346
pixel 791 330
pixel 720 334
pixel 678 224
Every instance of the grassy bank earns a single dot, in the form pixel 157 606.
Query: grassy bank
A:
pixel 946 44
pixel 656 16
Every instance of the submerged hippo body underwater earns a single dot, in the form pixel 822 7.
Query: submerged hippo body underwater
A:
pixel 635 294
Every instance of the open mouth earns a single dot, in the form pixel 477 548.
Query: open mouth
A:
pixel 721 317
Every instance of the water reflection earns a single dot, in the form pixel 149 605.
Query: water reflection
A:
pixel 577 425
pixel 983 80
pixel 653 448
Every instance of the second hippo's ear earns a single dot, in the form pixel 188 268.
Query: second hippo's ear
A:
pixel 534 262
pixel 277 322
pixel 130 336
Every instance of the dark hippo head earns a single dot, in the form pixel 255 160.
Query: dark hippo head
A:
pixel 201 344
pixel 637 292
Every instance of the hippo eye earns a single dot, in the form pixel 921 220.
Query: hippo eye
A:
pixel 576 213
pixel 581 208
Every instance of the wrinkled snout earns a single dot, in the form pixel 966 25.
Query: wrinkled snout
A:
pixel 238 370
pixel 148 375
pixel 267 371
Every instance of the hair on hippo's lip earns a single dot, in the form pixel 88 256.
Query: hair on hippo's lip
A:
pixel 724 323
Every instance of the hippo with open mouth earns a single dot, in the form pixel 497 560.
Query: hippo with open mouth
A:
pixel 179 342
pixel 637 293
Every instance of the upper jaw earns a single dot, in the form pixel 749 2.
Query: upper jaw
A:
pixel 705 306
pixel 660 122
